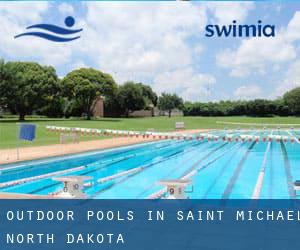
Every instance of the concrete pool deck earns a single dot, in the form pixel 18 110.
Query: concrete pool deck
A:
pixel 24 196
pixel 31 153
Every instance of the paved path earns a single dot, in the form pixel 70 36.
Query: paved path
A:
pixel 30 153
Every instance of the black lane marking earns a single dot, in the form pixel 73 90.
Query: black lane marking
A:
pixel 188 171
pixel 203 158
pixel 144 167
pixel 44 188
pixel 40 166
pixel 150 186
pixel 61 167
pixel 223 169
pixel 88 172
pixel 236 174
pixel 287 168
pixel 56 184
pixel 182 147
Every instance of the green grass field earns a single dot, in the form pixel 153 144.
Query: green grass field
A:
pixel 9 127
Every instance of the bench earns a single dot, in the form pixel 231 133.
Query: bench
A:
pixel 179 125
pixel 73 137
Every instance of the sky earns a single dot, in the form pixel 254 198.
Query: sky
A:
pixel 163 44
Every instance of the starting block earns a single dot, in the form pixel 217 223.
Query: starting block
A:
pixel 176 188
pixel 73 186
pixel 296 186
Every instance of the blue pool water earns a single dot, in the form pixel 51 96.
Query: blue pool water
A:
pixel 221 169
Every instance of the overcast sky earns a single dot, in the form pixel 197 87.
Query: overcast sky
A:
pixel 163 44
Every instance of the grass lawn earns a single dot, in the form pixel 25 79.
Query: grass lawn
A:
pixel 9 127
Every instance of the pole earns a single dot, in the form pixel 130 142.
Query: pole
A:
pixel 17 140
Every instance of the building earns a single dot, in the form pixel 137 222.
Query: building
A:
pixel 98 107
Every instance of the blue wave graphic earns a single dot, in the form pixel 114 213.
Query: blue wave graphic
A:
pixel 55 29
pixel 48 36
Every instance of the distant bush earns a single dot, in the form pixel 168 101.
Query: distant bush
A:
pixel 258 107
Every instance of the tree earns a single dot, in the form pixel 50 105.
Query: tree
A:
pixel 3 83
pixel 167 102
pixel 281 107
pixel 131 98
pixel 149 94
pixel 260 107
pixel 84 85
pixel 26 86
pixel 292 100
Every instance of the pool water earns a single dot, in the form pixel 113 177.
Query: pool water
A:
pixel 221 169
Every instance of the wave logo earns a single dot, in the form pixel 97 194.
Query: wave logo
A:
pixel 59 34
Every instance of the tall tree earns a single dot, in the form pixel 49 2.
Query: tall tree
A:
pixel 131 98
pixel 168 102
pixel 292 100
pixel 149 94
pixel 26 86
pixel 3 84
pixel 85 84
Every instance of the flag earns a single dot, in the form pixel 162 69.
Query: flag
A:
pixel 27 132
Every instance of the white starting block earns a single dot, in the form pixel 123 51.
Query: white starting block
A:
pixel 176 188
pixel 296 186
pixel 179 125
pixel 73 186
pixel 73 137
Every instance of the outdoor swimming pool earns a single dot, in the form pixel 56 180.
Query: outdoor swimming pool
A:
pixel 218 169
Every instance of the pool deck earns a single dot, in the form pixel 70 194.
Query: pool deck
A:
pixel 31 153
pixel 24 196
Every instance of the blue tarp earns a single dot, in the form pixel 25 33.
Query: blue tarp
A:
pixel 27 132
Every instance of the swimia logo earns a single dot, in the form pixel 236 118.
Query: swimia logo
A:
pixel 240 30
pixel 52 32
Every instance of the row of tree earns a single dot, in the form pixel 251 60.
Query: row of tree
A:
pixel 288 105
pixel 28 88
